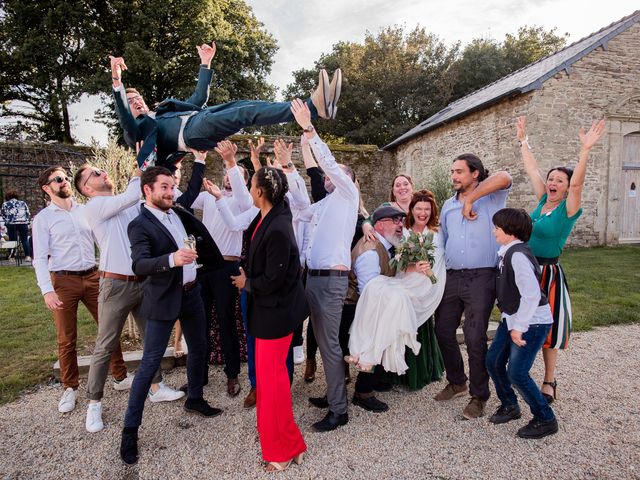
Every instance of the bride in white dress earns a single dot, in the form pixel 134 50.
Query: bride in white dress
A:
pixel 391 309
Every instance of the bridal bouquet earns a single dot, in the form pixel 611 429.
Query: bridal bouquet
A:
pixel 414 248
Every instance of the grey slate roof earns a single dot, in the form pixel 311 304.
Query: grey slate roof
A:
pixel 521 81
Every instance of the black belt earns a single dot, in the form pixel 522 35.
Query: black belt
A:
pixel 189 286
pixel 547 261
pixel 470 270
pixel 80 273
pixel 328 273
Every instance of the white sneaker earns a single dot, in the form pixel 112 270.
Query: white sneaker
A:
pixel 68 401
pixel 165 394
pixel 94 418
pixel 298 355
pixel 124 384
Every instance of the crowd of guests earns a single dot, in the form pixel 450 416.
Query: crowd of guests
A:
pixel 267 256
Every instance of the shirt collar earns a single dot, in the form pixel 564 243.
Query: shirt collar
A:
pixel 159 214
pixel 53 206
pixel 503 249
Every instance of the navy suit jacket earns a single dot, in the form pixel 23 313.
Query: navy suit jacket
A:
pixel 277 301
pixel 151 245
pixel 160 134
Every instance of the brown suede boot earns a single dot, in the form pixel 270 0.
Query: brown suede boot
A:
pixel 320 96
pixel 310 370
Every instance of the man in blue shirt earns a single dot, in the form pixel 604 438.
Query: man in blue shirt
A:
pixel 471 256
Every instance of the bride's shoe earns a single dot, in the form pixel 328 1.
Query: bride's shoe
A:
pixel 352 359
pixel 277 467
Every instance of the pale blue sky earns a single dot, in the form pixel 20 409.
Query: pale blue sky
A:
pixel 305 29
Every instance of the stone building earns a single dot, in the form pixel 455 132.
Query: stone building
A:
pixel 596 77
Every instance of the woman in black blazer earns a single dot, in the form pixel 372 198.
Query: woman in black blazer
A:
pixel 277 305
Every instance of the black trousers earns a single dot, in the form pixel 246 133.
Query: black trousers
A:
pixel 218 290
pixel 472 291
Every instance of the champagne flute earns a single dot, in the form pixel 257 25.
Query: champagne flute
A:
pixel 190 243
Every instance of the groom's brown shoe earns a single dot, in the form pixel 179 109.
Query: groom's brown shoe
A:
pixel 451 391
pixel 320 96
pixel 335 87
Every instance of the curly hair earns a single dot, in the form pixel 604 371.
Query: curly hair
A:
pixel 423 196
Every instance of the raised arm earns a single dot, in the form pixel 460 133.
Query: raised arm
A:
pixel 255 153
pixel 101 208
pixel 205 74
pixel 241 196
pixel 318 192
pixel 125 117
pixel 528 160
pixel 588 140
pixel 497 181
pixel 195 182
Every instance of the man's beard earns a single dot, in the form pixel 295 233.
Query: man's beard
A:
pixel 393 239
pixel 62 193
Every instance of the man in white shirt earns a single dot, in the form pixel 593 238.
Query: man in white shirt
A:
pixel 217 290
pixel 108 216
pixel 65 264
pixel 332 222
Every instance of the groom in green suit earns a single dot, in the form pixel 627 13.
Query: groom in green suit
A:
pixel 164 136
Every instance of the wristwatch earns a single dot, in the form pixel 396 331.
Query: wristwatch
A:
pixel 309 128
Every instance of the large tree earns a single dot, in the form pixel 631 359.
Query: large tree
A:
pixel 53 51
pixel 391 82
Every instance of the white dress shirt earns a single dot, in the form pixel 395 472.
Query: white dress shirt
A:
pixel 332 220
pixel 367 265
pixel 229 241
pixel 172 222
pixel 62 240
pixel 529 312
pixel 109 217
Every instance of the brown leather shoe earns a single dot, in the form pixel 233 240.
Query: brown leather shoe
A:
pixel 320 96
pixel 233 387
pixel 334 92
pixel 451 391
pixel 310 370
pixel 250 399
pixel 474 409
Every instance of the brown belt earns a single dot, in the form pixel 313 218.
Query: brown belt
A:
pixel 231 258
pixel 124 278
pixel 189 286
pixel 80 273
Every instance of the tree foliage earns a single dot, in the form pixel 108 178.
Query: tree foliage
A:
pixel 53 51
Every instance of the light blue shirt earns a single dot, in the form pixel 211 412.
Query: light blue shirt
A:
pixel 470 243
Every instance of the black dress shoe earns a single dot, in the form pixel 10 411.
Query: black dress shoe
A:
pixel 129 447
pixel 538 429
pixel 201 407
pixel 370 403
pixel 505 414
pixel 319 402
pixel 331 421
pixel 381 386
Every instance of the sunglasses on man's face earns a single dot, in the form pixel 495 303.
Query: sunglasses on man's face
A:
pixel 58 179
pixel 94 173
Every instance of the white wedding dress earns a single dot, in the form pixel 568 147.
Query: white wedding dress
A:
pixel 390 311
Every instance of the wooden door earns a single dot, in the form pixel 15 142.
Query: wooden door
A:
pixel 629 191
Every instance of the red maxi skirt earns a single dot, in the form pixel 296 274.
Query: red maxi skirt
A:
pixel 280 437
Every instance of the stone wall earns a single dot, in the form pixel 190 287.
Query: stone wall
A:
pixel 594 87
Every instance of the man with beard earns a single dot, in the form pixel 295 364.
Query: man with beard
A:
pixel 159 251
pixel 471 258
pixel 108 216
pixel 65 264
pixel 370 259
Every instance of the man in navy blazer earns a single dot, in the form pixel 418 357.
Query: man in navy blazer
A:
pixel 165 135
pixel 171 291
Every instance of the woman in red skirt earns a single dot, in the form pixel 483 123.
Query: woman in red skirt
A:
pixel 277 305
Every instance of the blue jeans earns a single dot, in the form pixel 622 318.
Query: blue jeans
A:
pixel 519 359
pixel 156 338
pixel 251 345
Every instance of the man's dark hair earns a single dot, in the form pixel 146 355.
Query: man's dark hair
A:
pixel 77 178
pixel 43 178
pixel 150 175
pixel 568 171
pixel 514 221
pixel 474 164
pixel 11 194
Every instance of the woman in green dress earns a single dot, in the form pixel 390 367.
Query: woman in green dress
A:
pixel 559 207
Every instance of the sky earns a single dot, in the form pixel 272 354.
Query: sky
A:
pixel 306 29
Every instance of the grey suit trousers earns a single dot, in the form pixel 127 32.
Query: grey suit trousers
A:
pixel 326 296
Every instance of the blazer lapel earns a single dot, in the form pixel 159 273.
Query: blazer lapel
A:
pixel 159 224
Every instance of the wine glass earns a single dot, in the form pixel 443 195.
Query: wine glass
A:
pixel 190 243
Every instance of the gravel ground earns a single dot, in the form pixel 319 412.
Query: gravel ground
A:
pixel 418 438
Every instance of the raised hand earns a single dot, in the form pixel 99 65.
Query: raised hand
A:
pixel 227 150
pixel 206 53
pixel 257 148
pixel 283 154
pixel 198 154
pixel 590 138
pixel 117 67
pixel 521 128
pixel 273 163
pixel 212 188
pixel 301 112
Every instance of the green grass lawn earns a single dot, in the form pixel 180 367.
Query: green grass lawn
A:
pixel 604 282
